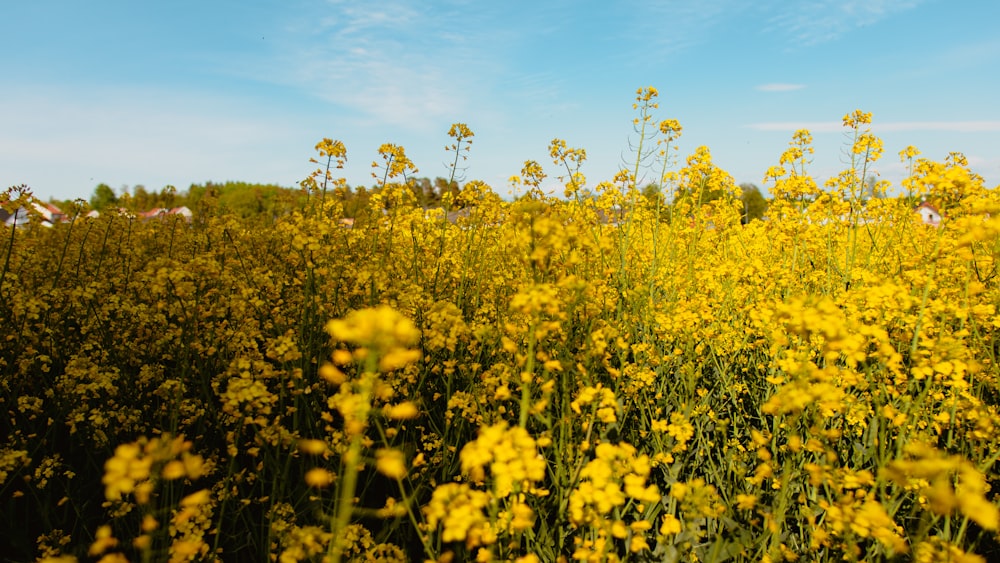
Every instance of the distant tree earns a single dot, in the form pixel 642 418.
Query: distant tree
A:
pixel 247 200
pixel 142 200
pixel 754 204
pixel 442 187
pixel 103 197
pixel 430 193
pixel 167 197
pixel 874 189
pixel 356 202
pixel 699 193
pixel 194 193
pixel 653 193
pixel 423 191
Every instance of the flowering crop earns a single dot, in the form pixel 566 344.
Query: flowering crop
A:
pixel 614 374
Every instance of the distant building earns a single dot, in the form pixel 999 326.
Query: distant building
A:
pixel 929 214
pixel 49 214
pixel 183 211
pixel 163 212
pixel 154 212
pixel 16 219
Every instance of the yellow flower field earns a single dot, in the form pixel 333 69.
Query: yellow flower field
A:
pixel 603 374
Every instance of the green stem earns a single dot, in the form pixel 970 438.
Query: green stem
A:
pixel 526 377
pixel 349 473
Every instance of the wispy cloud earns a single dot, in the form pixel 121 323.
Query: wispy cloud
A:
pixel 812 22
pixel 676 26
pixel 932 126
pixel 779 87
pixel 394 63
pixel 814 126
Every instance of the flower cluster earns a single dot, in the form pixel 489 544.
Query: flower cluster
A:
pixel 628 370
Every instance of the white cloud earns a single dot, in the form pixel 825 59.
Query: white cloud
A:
pixel 779 87
pixel 688 23
pixel 812 22
pixel 393 64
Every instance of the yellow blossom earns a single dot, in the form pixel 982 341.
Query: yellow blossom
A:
pixel 391 463
pixel 319 478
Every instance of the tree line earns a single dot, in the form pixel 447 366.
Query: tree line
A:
pixel 247 199
pixel 255 200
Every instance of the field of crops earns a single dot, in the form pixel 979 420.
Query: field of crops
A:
pixel 593 376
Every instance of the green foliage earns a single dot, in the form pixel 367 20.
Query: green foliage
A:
pixel 246 200
pixel 754 204
pixel 429 193
pixel 255 200
pixel 103 197
pixel 654 194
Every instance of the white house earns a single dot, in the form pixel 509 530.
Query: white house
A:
pixel 183 211
pixel 929 214
pixel 16 219
pixel 163 211
pixel 50 214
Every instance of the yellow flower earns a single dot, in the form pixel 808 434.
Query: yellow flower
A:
pixel 196 498
pixel 857 119
pixel 908 153
pixel 313 447
pixel 670 526
pixel 103 540
pixel 746 502
pixel 173 470
pixel 681 430
pixel 391 463
pixel 142 542
pixel 331 373
pixel 646 94
pixel 381 328
pixel 523 517
pixel 406 410
pixel 935 549
pixel 319 478
pixel 511 455
pixel 124 470
pixel 458 509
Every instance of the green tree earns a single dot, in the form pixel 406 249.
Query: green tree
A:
pixel 428 193
pixel 654 195
pixel 356 203
pixel 103 197
pixel 167 197
pixel 442 186
pixel 247 200
pixel 142 200
pixel 423 192
pixel 754 204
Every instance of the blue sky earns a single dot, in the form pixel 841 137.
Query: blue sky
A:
pixel 183 92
